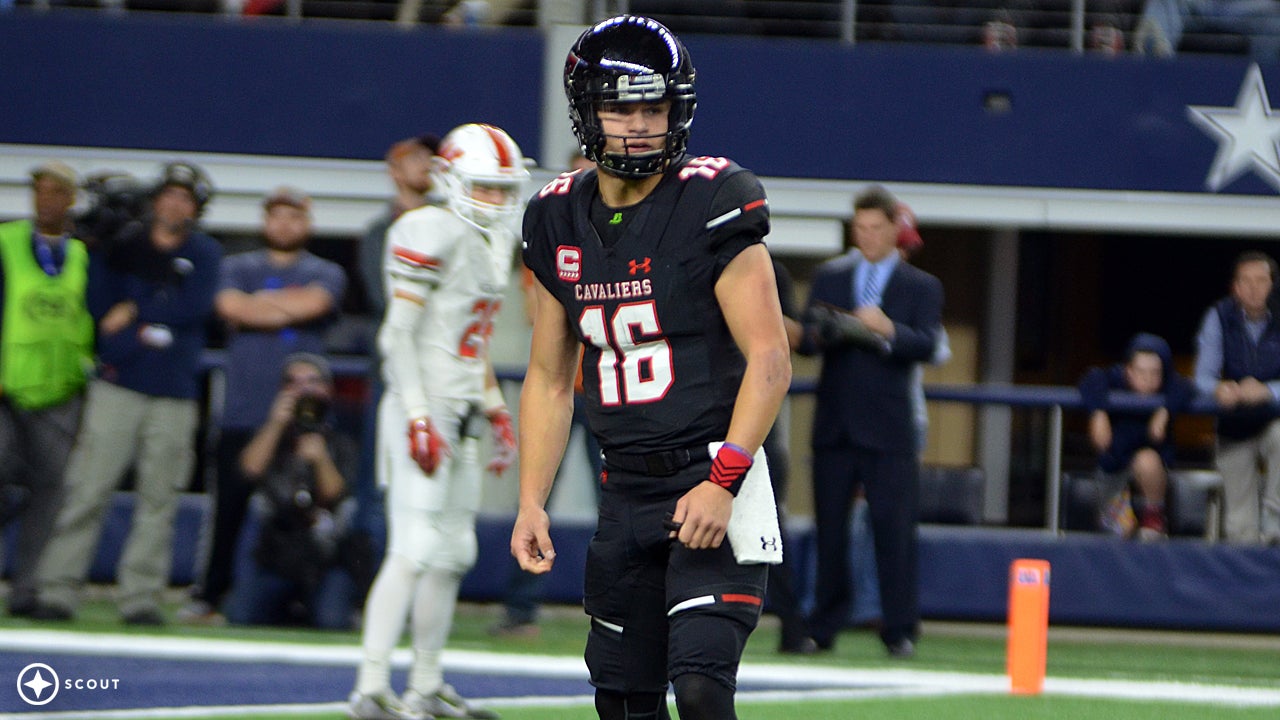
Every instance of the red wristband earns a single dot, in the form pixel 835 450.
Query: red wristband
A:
pixel 730 466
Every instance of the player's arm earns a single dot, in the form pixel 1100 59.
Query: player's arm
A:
pixel 546 410
pixel 748 298
pixel 410 276
pixel 500 421
pixel 397 341
pixel 749 301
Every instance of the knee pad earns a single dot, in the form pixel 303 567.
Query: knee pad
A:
pixel 433 540
pixel 709 642
pixel 636 706
pixel 701 697
pixel 630 660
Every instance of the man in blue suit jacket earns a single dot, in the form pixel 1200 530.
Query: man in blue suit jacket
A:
pixel 873 317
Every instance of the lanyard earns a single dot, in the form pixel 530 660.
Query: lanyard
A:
pixel 49 256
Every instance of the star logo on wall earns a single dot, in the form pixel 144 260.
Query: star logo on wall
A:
pixel 1248 134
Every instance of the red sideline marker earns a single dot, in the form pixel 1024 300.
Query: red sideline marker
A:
pixel 1028 625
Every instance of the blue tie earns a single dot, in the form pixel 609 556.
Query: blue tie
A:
pixel 870 294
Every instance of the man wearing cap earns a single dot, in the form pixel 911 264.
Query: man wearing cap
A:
pixel 274 301
pixel 151 293
pixel 409 164
pixel 46 346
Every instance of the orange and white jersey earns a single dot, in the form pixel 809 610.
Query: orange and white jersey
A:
pixel 445 281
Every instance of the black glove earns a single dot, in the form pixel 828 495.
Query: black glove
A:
pixel 837 328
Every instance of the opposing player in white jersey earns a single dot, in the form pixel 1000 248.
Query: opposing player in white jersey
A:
pixel 445 269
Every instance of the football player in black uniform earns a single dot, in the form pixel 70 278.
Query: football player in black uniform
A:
pixel 655 264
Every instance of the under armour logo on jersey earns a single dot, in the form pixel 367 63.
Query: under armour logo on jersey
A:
pixel 768 543
pixel 634 266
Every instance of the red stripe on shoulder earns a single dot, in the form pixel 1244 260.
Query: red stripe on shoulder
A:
pixel 416 259
pixel 741 598
pixel 753 205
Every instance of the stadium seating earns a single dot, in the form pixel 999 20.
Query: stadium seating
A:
pixel 1193 502
pixel 952 495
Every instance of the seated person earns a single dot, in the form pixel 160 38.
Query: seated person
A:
pixel 304 562
pixel 1163 24
pixel 1135 446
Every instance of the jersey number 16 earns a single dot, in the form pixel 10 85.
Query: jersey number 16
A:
pixel 631 369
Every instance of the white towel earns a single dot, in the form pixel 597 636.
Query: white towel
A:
pixel 753 528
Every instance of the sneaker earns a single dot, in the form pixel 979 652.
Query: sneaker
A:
pixel 903 649
pixel 446 703
pixel 22 606
pixel 49 611
pixel 1153 525
pixel 508 628
pixel 381 706
pixel 803 646
pixel 147 616
pixel 1117 517
pixel 199 612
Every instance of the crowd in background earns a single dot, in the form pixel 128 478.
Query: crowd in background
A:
pixel 135 298
pixel 1148 27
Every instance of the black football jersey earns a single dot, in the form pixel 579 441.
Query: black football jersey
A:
pixel 660 368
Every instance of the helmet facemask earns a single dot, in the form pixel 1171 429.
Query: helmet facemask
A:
pixel 460 190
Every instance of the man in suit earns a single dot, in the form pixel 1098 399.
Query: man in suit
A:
pixel 873 318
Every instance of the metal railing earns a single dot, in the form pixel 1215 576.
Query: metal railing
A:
pixel 1053 399
pixel 1105 26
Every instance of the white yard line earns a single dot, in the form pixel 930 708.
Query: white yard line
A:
pixel 839 682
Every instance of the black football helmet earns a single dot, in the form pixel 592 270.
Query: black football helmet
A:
pixel 629 59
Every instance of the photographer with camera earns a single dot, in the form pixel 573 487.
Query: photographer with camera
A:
pixel 151 293
pixel 273 301
pixel 304 563
pixel 46 346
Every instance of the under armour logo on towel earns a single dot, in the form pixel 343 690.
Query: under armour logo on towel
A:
pixel 768 543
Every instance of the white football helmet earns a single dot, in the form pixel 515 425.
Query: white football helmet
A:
pixel 482 155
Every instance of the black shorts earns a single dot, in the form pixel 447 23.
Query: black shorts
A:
pixel 658 609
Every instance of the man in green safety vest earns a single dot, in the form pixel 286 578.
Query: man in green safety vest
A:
pixel 46 349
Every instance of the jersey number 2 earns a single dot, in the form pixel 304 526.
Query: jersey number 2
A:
pixel 476 336
pixel 632 369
